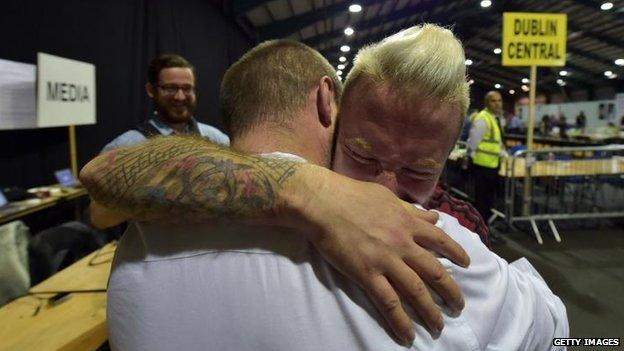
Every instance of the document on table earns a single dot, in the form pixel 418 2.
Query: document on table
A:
pixel 17 95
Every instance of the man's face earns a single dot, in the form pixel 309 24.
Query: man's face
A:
pixel 495 103
pixel 174 96
pixel 402 145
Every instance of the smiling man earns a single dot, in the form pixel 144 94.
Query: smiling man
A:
pixel 171 87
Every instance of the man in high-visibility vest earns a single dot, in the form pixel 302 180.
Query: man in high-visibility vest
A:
pixel 485 148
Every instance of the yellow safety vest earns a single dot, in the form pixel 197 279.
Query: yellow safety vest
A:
pixel 489 149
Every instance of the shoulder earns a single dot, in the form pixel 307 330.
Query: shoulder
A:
pixel 508 306
pixel 468 239
pixel 481 116
pixel 479 120
pixel 213 134
pixel 128 138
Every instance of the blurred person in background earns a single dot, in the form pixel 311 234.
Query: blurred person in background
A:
pixel 485 148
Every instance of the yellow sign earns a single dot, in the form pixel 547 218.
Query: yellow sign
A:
pixel 534 39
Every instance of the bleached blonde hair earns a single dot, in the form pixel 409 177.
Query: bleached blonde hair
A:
pixel 422 60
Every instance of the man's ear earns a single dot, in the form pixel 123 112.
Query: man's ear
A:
pixel 149 88
pixel 324 101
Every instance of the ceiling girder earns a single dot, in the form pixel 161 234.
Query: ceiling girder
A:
pixel 484 71
pixel 284 28
pixel 615 15
pixel 437 18
pixel 241 7
pixel 542 79
pixel 596 36
pixel 374 22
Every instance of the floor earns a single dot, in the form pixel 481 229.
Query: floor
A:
pixel 586 270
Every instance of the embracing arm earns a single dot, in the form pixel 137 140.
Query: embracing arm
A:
pixel 362 229
pixel 187 179
pixel 102 217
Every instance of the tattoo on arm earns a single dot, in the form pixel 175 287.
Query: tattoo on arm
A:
pixel 186 178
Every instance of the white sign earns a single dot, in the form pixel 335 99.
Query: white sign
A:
pixel 65 91
pixel 17 95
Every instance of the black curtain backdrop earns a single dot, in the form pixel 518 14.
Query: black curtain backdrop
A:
pixel 120 37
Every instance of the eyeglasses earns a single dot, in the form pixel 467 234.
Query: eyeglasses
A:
pixel 173 89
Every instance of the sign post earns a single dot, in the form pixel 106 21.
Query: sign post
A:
pixel 531 124
pixel 73 154
pixel 533 39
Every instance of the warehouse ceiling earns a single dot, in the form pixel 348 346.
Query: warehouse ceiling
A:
pixel 595 36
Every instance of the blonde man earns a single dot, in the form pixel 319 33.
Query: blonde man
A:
pixel 298 302
pixel 402 114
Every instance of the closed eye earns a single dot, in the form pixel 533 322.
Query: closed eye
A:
pixel 421 174
pixel 359 157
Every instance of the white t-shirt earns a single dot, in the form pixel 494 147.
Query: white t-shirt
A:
pixel 238 287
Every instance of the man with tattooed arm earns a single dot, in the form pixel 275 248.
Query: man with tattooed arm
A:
pixel 225 279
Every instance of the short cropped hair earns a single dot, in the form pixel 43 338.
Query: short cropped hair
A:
pixel 489 94
pixel 270 83
pixel 166 61
pixel 424 59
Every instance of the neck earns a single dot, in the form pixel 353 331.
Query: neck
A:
pixel 265 140
pixel 492 111
pixel 178 127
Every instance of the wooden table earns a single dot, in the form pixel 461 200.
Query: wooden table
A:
pixel 562 168
pixel 18 209
pixel 76 323
pixel 89 273
pixel 31 323
pixel 543 141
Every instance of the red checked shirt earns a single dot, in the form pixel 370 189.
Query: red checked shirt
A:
pixel 463 211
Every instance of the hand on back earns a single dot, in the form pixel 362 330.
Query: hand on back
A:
pixel 382 244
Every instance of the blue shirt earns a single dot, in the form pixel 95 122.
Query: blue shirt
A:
pixel 516 123
pixel 133 137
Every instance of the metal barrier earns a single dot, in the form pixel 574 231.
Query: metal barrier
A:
pixel 459 184
pixel 563 183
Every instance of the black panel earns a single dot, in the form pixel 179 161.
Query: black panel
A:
pixel 119 37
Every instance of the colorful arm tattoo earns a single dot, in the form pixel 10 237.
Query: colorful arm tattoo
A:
pixel 186 179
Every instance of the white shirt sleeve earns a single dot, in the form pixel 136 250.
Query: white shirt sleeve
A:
pixel 477 131
pixel 131 137
pixel 508 306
